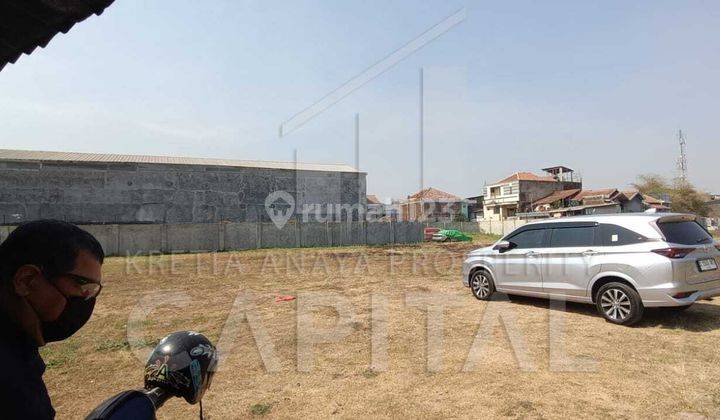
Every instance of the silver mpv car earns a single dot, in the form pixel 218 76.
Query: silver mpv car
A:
pixel 621 263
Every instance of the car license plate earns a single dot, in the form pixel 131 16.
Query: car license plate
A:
pixel 708 264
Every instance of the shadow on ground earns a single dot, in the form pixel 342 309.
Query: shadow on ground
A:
pixel 701 317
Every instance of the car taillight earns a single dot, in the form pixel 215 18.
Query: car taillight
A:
pixel 674 253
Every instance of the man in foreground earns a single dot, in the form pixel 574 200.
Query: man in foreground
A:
pixel 50 273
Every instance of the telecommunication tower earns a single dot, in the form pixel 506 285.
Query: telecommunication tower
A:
pixel 682 164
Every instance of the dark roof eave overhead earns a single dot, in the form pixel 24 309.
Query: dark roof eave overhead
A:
pixel 28 24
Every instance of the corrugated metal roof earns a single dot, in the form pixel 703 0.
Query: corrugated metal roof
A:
pixel 557 169
pixel 28 24
pixel 607 193
pixel 37 155
pixel 587 206
pixel 556 196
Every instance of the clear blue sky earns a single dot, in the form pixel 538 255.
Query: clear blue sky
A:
pixel 600 86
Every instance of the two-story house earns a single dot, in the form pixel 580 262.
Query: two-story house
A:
pixel 517 193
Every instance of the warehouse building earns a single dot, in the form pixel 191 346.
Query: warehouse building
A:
pixel 111 188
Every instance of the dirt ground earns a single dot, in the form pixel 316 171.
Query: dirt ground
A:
pixel 667 367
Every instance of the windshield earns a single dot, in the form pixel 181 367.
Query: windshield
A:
pixel 685 233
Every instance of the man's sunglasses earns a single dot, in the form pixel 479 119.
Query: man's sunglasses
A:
pixel 90 288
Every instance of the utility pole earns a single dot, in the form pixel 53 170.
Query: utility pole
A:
pixel 357 141
pixel 422 127
pixel 361 196
pixel 682 164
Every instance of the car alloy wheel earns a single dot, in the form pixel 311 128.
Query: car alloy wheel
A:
pixel 619 303
pixel 616 305
pixel 482 286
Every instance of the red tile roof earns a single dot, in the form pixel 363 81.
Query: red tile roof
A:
pixel 526 176
pixel 630 194
pixel 652 200
pixel 433 194
pixel 372 199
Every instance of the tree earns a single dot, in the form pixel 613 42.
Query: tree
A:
pixel 459 217
pixel 683 196
pixel 653 185
pixel 686 199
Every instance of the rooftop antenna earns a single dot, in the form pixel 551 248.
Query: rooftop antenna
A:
pixel 682 164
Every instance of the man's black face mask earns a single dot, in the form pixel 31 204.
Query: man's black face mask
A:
pixel 76 313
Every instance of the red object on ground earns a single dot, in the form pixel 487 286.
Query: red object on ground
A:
pixel 282 298
pixel 429 232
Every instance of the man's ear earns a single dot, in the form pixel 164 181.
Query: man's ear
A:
pixel 44 298
pixel 24 278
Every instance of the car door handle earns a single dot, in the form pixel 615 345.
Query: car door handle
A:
pixel 589 253
pixel 530 254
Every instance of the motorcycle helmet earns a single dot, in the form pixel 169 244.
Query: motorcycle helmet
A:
pixel 183 364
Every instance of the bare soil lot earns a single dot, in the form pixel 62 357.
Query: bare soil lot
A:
pixel 667 367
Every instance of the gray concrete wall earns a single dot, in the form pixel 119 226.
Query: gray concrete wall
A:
pixel 107 235
pixel 192 237
pixel 132 239
pixel 140 239
pixel 239 236
pixel 407 232
pixel 161 193
pixel 315 234
pixel 378 234
pixel 272 237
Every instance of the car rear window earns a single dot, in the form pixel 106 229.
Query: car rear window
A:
pixel 613 235
pixel 685 233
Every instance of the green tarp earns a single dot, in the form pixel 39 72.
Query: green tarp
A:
pixel 454 235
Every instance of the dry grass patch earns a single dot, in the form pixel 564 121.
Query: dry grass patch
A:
pixel 665 367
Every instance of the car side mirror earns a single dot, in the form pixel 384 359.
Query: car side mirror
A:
pixel 502 246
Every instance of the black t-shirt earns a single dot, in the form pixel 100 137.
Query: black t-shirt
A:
pixel 23 394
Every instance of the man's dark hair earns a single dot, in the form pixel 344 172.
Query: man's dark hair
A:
pixel 52 245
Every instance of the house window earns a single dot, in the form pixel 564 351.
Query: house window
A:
pixel 510 189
